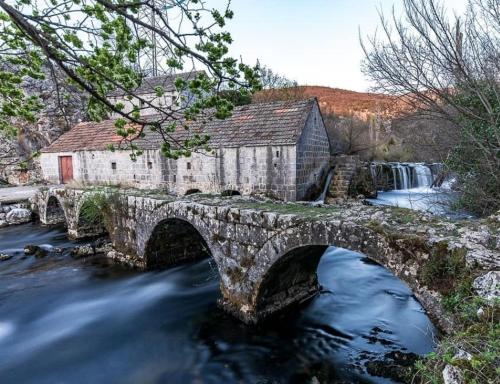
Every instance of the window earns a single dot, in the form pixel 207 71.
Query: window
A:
pixel 113 166
pixel 150 165
pixel 175 178
pixel 277 153
pixel 275 165
pixel 188 165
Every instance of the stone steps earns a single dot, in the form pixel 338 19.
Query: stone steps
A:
pixel 344 171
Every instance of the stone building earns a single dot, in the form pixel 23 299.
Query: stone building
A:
pixel 279 149
pixel 146 97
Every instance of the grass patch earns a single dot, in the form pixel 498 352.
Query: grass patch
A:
pixel 478 336
pixel 91 212
pixel 477 323
pixel 403 215
pixel 290 208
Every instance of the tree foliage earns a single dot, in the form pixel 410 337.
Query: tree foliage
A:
pixel 449 69
pixel 103 45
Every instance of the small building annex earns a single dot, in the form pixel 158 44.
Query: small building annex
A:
pixel 280 149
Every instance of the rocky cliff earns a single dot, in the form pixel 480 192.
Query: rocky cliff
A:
pixel 64 105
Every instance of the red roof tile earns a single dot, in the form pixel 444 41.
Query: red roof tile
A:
pixel 277 123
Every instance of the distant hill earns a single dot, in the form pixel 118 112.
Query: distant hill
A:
pixel 342 102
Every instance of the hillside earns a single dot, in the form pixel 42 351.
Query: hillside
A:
pixel 342 102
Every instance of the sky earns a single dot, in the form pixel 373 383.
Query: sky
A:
pixel 314 42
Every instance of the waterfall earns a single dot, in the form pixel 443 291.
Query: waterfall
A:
pixel 328 181
pixel 423 176
pixel 401 176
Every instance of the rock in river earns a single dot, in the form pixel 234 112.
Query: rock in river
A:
pixel 4 257
pixel 395 365
pixel 18 216
pixel 35 250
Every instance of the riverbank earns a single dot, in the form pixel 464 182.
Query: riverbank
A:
pixel 15 213
pixel 15 205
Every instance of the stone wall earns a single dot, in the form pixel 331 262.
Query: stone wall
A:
pixel 266 170
pixel 313 156
pixel 166 100
pixel 248 170
pixel 96 167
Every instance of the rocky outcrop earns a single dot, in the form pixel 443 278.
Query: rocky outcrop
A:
pixel 12 214
pixel 18 216
pixel 64 106
pixel 488 285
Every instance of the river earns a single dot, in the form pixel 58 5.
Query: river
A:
pixel 66 320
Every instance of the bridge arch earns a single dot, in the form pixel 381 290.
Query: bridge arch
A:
pixel 174 241
pixel 230 192
pixel 293 257
pixel 192 191
pixel 292 278
pixel 54 212
pixel 90 220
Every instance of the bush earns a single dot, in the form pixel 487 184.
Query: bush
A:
pixel 444 269
pixel 476 159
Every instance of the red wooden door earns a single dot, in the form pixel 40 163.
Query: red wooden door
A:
pixel 66 168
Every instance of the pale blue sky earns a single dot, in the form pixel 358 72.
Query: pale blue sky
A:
pixel 314 42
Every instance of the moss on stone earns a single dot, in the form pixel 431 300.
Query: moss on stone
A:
pixel 303 210
pixel 444 269
pixel 235 274
pixel 247 261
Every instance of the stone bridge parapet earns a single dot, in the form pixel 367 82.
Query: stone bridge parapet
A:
pixel 266 252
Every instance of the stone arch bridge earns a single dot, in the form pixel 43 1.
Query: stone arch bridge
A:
pixel 266 253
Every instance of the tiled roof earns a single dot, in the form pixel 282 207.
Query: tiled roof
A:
pixel 277 123
pixel 149 84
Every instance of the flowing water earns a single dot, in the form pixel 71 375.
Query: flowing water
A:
pixel 412 187
pixel 87 321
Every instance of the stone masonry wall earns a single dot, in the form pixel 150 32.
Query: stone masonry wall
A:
pixel 313 155
pixel 266 170
pixel 261 169
pixel 95 167
pixel 166 100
